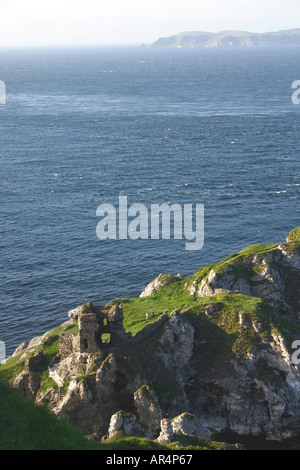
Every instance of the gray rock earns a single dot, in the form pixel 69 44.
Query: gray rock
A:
pixel 20 348
pixel 161 281
pixel 166 434
pixel 178 341
pixel 149 411
pixel 128 424
pixel 265 275
pixel 189 425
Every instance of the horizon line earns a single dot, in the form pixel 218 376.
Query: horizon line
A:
pixel 136 43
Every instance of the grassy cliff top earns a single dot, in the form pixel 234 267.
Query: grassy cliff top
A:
pixel 294 236
pixel 177 296
pixel 217 323
pixel 25 426
pixel 229 38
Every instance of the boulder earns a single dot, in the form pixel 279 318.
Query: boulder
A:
pixel 128 424
pixel 189 425
pixel 166 434
pixel 149 411
pixel 161 281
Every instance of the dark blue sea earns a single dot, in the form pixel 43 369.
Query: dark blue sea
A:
pixel 82 127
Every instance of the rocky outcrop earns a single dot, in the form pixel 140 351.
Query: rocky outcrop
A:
pixel 161 281
pixel 94 390
pixel 166 434
pixel 185 424
pixel 254 400
pixel 293 236
pixel 178 342
pixel 148 409
pixel 25 346
pixel 189 425
pixel 128 424
pixel 273 276
pixel 257 395
pixel 28 383
pixel 150 329
pixel 221 363
pixel 29 380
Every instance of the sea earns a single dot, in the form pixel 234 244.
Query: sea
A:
pixel 83 126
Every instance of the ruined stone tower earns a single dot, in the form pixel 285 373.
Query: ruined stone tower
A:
pixel 99 328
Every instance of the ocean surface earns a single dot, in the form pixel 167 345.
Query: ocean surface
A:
pixel 82 127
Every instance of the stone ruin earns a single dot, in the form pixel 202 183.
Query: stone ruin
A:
pixel 100 328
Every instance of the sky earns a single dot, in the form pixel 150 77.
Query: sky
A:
pixel 84 22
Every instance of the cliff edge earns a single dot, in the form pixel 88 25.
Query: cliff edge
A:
pixel 229 39
pixel 216 356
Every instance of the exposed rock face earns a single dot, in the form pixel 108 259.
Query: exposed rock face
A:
pixel 222 364
pixel 186 424
pixel 128 424
pixel 178 341
pixel 258 395
pixel 161 281
pixel 29 380
pixel 148 409
pixel 91 402
pixel 293 236
pixel 29 345
pixel 20 348
pixel 189 425
pixel 273 277
pixel 28 383
pixel 167 433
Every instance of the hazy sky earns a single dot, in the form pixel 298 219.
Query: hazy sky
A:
pixel 55 22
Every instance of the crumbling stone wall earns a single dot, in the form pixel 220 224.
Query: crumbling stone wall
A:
pixel 68 343
pixel 151 328
pixel 94 322
pixel 89 333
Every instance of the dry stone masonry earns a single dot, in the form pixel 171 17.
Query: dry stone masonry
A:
pixel 99 329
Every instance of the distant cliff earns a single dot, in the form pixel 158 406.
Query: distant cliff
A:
pixel 230 39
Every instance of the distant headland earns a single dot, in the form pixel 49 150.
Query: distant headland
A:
pixel 289 37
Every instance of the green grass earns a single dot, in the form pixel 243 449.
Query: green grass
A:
pixel 294 235
pixel 218 334
pixel 223 333
pixel 229 306
pixel 177 296
pixel 25 426
pixel 120 442
pixel 258 249
pixel 13 367
pixel 167 299
pixel 235 261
